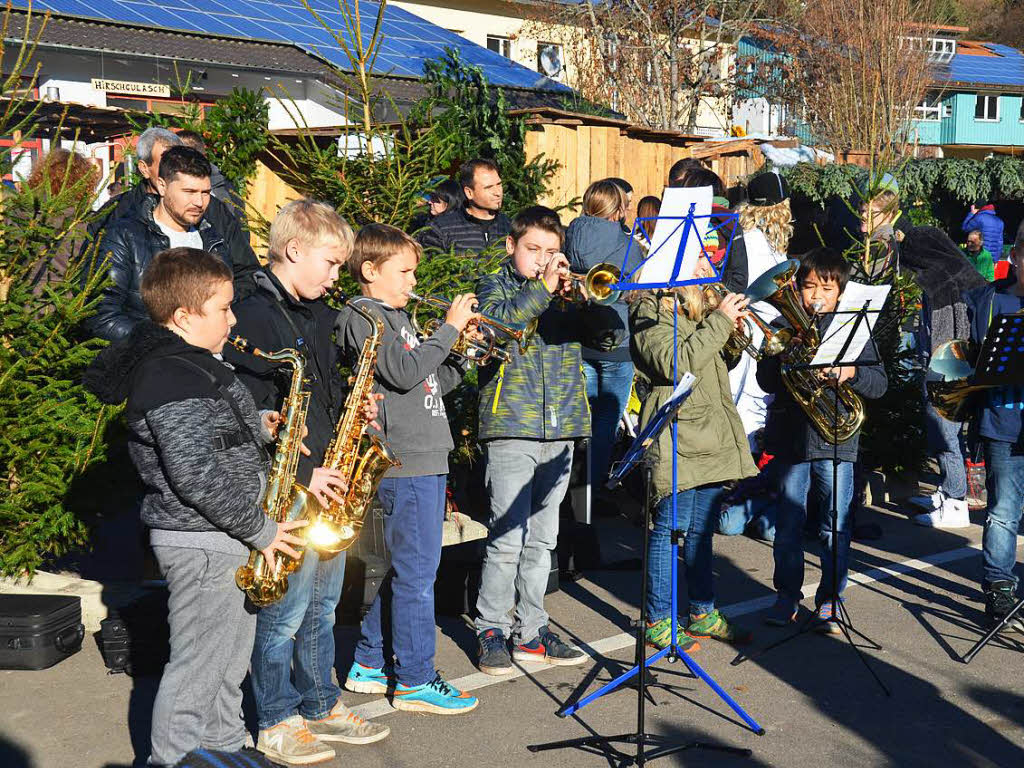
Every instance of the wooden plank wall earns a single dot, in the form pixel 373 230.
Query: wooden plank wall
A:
pixel 588 153
pixel 266 194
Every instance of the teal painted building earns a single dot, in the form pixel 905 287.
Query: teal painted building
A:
pixel 977 106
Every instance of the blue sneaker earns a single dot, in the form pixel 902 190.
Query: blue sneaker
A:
pixel 828 621
pixel 437 697
pixel 367 679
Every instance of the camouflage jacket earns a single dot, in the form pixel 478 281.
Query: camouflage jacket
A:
pixel 539 394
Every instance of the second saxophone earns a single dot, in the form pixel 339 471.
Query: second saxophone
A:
pixel 361 458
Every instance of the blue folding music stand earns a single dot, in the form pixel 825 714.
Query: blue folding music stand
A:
pixel 630 280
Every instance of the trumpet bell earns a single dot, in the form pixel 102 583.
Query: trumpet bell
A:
pixel 599 281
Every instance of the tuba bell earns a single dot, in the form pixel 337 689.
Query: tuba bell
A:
pixel 818 400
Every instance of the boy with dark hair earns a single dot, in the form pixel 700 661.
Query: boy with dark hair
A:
pixel 308 245
pixel 1001 428
pixel 196 442
pixel 413 375
pixel 175 219
pixel 532 409
pixel 805 456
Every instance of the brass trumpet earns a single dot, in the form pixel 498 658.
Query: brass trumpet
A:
pixel 597 284
pixel 493 334
pixel 742 338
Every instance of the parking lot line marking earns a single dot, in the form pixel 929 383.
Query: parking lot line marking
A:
pixel 606 645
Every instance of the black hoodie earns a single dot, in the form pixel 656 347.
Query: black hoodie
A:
pixel 203 470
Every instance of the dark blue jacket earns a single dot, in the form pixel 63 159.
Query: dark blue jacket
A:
pixel 1002 408
pixel 991 227
pixel 789 433
pixel 590 241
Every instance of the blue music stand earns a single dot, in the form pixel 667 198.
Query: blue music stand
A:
pixel 631 281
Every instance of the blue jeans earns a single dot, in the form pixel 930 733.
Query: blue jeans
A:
pixel 526 481
pixel 697 511
pixel 796 480
pixel 403 611
pixel 608 386
pixel 1004 468
pixel 944 441
pixel 298 630
pixel 757 512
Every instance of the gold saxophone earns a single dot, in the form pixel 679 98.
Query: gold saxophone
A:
pixel 819 400
pixel 264 582
pixel 361 458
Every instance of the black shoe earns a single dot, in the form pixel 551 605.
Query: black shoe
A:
pixel 494 655
pixel 1000 599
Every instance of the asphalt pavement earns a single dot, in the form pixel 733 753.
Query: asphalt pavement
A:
pixel 915 593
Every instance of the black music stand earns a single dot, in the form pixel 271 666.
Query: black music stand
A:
pixel 840 613
pixel 1000 363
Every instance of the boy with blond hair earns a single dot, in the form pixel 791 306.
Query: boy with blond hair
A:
pixel 414 376
pixel 298 704
pixel 196 440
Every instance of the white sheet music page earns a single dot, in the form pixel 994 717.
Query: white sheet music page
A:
pixel 668 236
pixel 854 298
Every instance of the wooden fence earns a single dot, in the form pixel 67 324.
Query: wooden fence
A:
pixel 589 148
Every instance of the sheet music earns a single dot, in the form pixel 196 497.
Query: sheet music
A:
pixel 659 268
pixel 854 298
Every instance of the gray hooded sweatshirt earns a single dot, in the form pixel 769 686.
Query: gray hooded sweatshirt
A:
pixel 413 376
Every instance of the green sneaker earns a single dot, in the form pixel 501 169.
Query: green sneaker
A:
pixel 659 635
pixel 715 625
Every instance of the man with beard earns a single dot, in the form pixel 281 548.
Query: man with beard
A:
pixel 176 218
pixel 149 149
pixel 479 223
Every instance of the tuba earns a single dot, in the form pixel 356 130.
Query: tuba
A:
pixel 362 459
pixel 264 582
pixel 819 401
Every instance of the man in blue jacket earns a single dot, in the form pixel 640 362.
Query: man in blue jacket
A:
pixel 982 216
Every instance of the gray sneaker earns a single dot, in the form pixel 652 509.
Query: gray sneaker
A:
pixel 342 724
pixel 291 742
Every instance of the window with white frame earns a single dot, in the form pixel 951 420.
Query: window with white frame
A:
pixel 498 44
pixel 987 107
pixel 929 110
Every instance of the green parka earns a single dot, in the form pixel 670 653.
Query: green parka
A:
pixel 712 445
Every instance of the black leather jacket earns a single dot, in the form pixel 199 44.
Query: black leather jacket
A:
pixel 128 246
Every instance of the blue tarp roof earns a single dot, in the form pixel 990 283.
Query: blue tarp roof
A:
pixel 407 42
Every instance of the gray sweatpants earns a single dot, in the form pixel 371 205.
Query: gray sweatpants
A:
pixel 526 480
pixel 199 703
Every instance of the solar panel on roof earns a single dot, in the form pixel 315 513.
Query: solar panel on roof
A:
pixel 407 39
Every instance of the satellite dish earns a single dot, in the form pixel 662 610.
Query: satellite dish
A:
pixel 550 60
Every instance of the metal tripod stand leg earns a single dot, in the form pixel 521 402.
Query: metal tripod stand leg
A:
pixel 966 659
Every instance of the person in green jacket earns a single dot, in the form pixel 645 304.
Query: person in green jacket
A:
pixel 532 409
pixel 978 256
pixel 712 449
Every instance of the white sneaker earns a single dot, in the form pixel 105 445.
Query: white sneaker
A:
pixel 952 514
pixel 291 742
pixel 927 503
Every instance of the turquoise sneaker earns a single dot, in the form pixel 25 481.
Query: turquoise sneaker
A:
pixel 437 697
pixel 367 679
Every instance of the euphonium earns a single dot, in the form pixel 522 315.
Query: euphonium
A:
pixel 264 582
pixel 480 350
pixel 597 282
pixel 819 400
pixel 362 459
